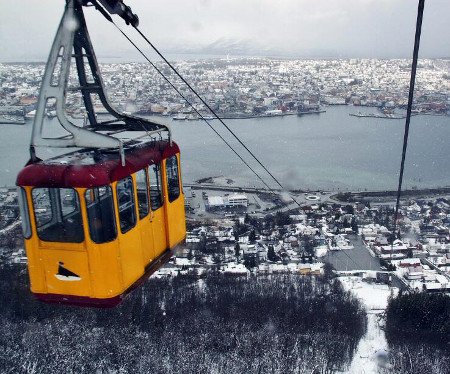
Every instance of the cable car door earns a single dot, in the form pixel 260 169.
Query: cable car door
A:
pixel 131 256
pixel 158 214
pixel 174 201
pixel 145 220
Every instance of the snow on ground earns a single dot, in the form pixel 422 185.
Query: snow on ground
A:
pixel 373 346
pixel 369 348
pixel 373 296
pixel 321 251
pixel 10 227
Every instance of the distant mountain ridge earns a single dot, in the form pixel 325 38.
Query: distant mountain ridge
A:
pixel 248 47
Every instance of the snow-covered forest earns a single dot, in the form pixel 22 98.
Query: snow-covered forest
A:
pixel 218 324
pixel 418 333
pixel 281 324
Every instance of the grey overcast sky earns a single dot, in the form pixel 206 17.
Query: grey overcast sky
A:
pixel 288 28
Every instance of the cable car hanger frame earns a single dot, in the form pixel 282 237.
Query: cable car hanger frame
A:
pixel 72 40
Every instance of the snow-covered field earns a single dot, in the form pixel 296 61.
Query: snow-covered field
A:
pixel 372 349
pixel 373 296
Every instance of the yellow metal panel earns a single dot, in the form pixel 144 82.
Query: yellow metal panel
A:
pixel 130 251
pixel 159 231
pixel 35 266
pixel 105 270
pixel 175 213
pixel 148 247
pixel 74 261
pixel 104 267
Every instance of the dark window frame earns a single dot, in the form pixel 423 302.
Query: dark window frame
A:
pixel 36 221
pixel 143 213
pixel 43 230
pixel 96 191
pixel 131 208
pixel 159 184
pixel 24 212
pixel 173 189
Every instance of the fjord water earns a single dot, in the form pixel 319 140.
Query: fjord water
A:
pixel 328 151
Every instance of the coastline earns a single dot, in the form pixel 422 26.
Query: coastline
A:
pixel 384 196
pixel 232 116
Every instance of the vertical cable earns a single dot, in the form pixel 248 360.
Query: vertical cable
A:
pixel 408 111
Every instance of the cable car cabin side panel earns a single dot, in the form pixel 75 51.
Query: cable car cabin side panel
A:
pixel 145 224
pixel 36 271
pixel 57 252
pixel 130 247
pixel 158 214
pixel 103 248
pixel 174 200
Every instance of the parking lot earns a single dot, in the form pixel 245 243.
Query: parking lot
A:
pixel 260 202
pixel 358 258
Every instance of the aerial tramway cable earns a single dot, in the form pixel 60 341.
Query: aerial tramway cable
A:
pixel 213 112
pixel 409 108
pixel 421 5
pixel 408 112
pixel 109 18
pixel 193 107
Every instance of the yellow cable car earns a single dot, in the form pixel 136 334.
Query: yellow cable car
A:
pixel 96 221
pixel 95 228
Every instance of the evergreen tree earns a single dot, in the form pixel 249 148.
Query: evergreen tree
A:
pixel 354 225
pixel 271 255
pixel 237 250
pixel 346 224
pixel 349 208
pixel 252 236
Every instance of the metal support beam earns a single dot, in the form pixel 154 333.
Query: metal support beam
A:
pixel 72 41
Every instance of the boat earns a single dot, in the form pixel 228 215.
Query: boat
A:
pixel 31 114
pixel 272 113
pixel 375 115
pixel 179 117
pixel 309 109
pixel 12 120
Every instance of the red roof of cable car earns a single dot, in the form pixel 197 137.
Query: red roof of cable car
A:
pixel 86 168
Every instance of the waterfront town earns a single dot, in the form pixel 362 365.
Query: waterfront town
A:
pixel 245 232
pixel 246 235
pixel 250 231
pixel 245 87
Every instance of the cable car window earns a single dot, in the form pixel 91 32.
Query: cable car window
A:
pixel 173 181
pixel 69 200
pixel 100 209
pixel 24 212
pixel 142 192
pixel 156 198
pixel 58 215
pixel 42 206
pixel 125 199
